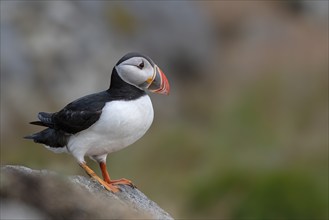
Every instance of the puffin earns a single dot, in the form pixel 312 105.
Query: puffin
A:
pixel 108 121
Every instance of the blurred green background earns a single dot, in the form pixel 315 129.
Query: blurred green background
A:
pixel 244 132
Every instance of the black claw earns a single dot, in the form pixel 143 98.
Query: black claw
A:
pixel 132 186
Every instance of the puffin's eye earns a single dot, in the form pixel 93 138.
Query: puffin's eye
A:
pixel 141 65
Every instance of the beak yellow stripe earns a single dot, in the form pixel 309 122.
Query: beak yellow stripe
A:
pixel 151 79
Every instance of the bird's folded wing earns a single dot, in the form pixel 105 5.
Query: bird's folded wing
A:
pixel 73 121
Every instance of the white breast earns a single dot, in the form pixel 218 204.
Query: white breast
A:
pixel 121 124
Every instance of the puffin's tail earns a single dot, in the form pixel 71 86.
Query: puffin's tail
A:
pixel 46 120
pixel 50 137
pixel 31 137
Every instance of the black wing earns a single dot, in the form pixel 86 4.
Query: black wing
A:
pixel 74 121
pixel 76 116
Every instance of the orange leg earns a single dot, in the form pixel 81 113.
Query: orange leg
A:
pixel 105 174
pixel 110 187
pixel 107 178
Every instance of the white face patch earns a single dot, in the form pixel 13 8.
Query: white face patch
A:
pixel 135 70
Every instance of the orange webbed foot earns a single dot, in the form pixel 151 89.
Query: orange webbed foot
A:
pixel 107 178
pixel 123 181
pixel 109 186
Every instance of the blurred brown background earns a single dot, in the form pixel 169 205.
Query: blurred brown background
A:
pixel 244 132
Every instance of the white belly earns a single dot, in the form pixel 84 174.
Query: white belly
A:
pixel 121 124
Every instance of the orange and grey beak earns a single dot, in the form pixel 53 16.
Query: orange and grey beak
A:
pixel 159 82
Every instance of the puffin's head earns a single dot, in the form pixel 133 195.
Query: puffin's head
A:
pixel 140 71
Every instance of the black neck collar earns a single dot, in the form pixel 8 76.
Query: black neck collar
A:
pixel 120 90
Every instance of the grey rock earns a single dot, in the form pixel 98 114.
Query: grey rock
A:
pixel 43 194
pixel 10 209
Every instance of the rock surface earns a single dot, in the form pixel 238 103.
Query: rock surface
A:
pixel 42 194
